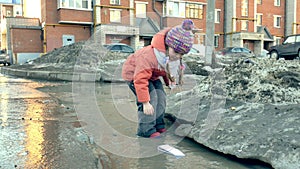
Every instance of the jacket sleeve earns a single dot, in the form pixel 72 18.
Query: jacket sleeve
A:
pixel 142 75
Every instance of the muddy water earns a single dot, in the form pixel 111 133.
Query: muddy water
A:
pixel 23 119
pixel 117 107
pixel 35 133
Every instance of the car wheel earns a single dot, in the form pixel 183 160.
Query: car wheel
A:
pixel 274 54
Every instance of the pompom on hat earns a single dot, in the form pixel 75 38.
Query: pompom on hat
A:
pixel 181 38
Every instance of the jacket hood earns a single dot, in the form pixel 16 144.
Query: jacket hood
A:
pixel 158 40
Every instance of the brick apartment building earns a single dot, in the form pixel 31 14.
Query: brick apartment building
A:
pixel 64 23
pixel 255 24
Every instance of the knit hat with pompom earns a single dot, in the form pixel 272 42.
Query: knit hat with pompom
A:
pixel 181 38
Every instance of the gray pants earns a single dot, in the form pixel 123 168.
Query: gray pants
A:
pixel 148 124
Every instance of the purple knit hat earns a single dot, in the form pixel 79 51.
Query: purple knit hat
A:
pixel 181 38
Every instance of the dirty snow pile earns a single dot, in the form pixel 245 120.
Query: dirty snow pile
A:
pixel 254 79
pixel 248 108
pixel 265 81
pixel 85 56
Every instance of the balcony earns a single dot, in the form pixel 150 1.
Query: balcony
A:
pixel 74 16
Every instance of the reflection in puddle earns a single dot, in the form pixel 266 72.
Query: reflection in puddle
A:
pixel 25 141
pixel 34 129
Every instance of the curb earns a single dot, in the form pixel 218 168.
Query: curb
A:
pixel 52 75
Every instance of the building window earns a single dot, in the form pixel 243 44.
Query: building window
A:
pixel 184 10
pixel 277 21
pixel 244 25
pixel 115 2
pixel 217 15
pixel 176 9
pixel 141 9
pixel 276 2
pixel 75 4
pixel 259 19
pixel 216 41
pixel 244 8
pixel 78 3
pixel 85 4
pixel 194 11
pixel 115 15
pixel 259 2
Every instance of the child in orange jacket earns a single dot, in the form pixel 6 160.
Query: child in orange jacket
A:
pixel 143 69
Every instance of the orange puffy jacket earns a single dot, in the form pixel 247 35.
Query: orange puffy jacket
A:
pixel 142 66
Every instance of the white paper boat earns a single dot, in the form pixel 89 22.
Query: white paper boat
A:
pixel 170 150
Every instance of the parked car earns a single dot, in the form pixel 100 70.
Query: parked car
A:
pixel 4 58
pixel 236 51
pixel 119 48
pixel 289 49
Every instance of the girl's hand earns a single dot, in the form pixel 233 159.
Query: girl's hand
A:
pixel 148 108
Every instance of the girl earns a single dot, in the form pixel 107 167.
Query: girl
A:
pixel 143 69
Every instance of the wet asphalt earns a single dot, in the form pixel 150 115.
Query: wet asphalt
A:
pixel 36 131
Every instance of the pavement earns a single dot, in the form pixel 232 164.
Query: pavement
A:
pixel 52 75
